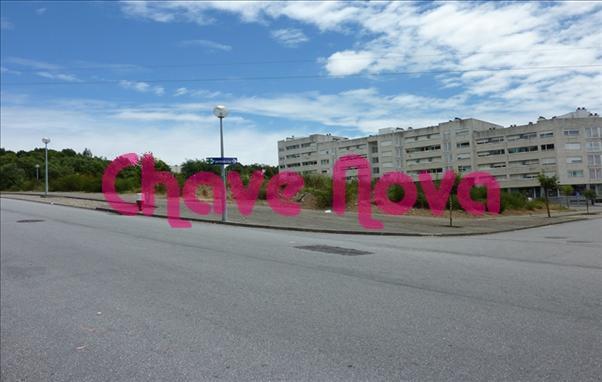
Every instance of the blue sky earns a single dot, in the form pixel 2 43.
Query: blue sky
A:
pixel 141 76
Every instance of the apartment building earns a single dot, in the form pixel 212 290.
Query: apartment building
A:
pixel 568 146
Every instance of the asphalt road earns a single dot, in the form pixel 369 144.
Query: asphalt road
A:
pixel 89 296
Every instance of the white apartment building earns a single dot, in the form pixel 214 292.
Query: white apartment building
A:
pixel 568 146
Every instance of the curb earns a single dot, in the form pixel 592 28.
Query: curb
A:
pixel 350 232
pixel 307 229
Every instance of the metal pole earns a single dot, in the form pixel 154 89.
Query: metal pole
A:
pixel 221 139
pixel 46 170
pixel 37 174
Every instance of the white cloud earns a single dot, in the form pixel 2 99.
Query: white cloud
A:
pixel 290 37
pixel 5 24
pixel 206 44
pixel 180 92
pixel 6 70
pixel 348 62
pixel 512 43
pixel 59 76
pixel 110 134
pixel 35 64
pixel 142 87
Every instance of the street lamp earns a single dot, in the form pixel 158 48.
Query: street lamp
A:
pixel 46 141
pixel 37 174
pixel 221 112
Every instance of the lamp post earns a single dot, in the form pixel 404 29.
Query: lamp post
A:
pixel 46 141
pixel 37 174
pixel 221 112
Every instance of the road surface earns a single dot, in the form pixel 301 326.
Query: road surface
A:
pixel 90 296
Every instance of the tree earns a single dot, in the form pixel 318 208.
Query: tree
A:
pixel 548 183
pixel 454 191
pixel 590 195
pixel 566 190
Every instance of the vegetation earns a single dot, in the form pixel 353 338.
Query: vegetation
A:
pixel 548 183
pixel 72 171
pixel 590 196
pixel 566 190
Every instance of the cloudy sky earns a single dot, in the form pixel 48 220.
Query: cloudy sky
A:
pixel 141 76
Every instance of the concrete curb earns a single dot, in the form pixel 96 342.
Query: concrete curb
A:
pixel 574 218
pixel 352 232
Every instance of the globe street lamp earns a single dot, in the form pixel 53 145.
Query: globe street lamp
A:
pixel 46 141
pixel 221 112
pixel 37 174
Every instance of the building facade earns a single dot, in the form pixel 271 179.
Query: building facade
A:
pixel 568 146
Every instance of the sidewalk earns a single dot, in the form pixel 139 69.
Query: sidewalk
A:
pixel 320 221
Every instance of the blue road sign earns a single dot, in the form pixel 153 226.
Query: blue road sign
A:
pixel 225 160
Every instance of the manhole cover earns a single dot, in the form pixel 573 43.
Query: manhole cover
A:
pixel 30 221
pixel 334 250
pixel 555 237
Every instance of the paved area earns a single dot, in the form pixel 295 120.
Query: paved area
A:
pixel 329 222
pixel 89 296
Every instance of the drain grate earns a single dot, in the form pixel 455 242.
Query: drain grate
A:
pixel 555 237
pixel 30 221
pixel 335 250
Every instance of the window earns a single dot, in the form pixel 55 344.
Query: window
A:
pixel 575 173
pixel 424 148
pixel 325 161
pixel 547 147
pixel 293 156
pixel 282 166
pixel 304 145
pixel 463 156
pixel 574 160
pixel 483 141
pixel 594 160
pixel 375 170
pixel 462 145
pixel 490 152
pixel 571 133
pixel 546 134
pixel 310 163
pixel 593 132
pixel 375 160
pixel 524 149
pixel 323 152
pixel 294 165
pixel 464 168
pixel 374 149
pixel 292 147
pixel 487 166
pixel 527 162
pixel 530 175
pixel 548 161
pixel 572 146
pixel 595 173
pixel 593 146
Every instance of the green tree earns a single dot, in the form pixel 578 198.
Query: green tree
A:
pixel 590 196
pixel 566 190
pixel 548 183
pixel 453 198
